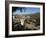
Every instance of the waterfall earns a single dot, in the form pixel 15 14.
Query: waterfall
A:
pixel 22 21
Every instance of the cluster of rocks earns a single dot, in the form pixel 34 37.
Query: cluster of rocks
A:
pixel 30 23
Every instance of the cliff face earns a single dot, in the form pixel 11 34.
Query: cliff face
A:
pixel 26 22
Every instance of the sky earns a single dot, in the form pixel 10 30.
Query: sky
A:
pixel 28 10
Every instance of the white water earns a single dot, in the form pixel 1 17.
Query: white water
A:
pixel 22 21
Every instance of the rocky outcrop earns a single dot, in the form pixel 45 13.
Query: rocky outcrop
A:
pixel 26 22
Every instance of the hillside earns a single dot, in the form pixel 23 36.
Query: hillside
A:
pixel 31 22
